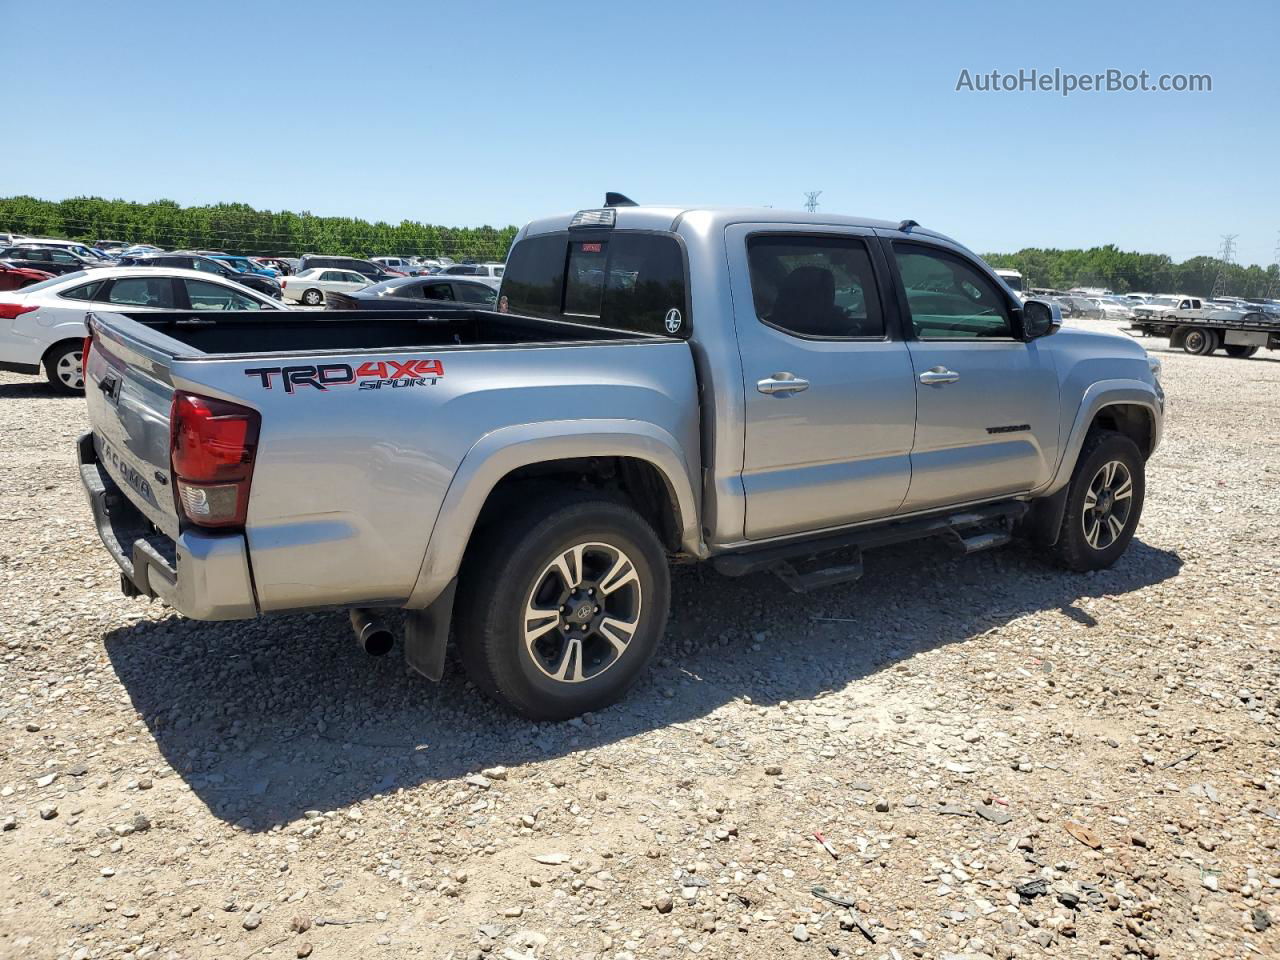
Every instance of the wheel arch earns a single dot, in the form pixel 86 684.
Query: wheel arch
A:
pixel 639 461
pixel 1131 407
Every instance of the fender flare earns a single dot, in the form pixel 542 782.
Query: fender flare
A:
pixel 498 453
pixel 1100 395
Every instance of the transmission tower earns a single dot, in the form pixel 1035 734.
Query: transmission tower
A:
pixel 1273 289
pixel 811 200
pixel 1226 258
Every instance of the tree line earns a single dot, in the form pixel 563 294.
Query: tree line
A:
pixel 239 228
pixel 1124 271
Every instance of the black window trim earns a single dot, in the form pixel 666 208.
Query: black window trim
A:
pixel 1013 310
pixel 879 274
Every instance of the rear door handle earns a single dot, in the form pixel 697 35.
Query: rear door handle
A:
pixel 938 375
pixel 782 384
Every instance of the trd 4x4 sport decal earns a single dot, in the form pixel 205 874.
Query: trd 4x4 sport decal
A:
pixel 371 375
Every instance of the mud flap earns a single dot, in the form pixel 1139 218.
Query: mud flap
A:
pixel 1043 522
pixel 426 634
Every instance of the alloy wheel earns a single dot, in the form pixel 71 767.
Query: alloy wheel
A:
pixel 1108 504
pixel 582 612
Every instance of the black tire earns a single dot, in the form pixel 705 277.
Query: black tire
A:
pixel 1074 549
pixel 1198 342
pixel 63 369
pixel 312 298
pixel 1239 351
pixel 510 568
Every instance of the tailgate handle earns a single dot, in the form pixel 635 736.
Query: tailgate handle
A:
pixel 108 384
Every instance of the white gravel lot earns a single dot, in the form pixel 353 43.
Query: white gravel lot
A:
pixel 177 789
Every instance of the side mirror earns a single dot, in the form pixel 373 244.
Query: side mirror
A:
pixel 1040 318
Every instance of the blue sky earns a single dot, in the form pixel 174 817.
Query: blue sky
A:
pixel 467 114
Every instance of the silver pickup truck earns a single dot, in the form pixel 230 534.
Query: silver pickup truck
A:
pixel 752 388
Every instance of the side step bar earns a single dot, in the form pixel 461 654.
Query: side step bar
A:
pixel 969 531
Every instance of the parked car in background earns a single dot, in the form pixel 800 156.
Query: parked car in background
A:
pixel 492 270
pixel 110 247
pixel 1116 308
pixel 405 293
pixel 1165 305
pixel 9 239
pixel 1011 278
pixel 57 260
pixel 15 278
pixel 404 265
pixel 375 273
pixel 194 261
pixel 243 264
pixel 42 326
pixel 138 248
pixel 282 266
pixel 311 286
pixel 75 246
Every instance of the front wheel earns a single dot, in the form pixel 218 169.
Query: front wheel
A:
pixel 562 607
pixel 1104 502
pixel 63 368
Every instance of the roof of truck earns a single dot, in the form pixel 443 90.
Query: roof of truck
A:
pixel 669 218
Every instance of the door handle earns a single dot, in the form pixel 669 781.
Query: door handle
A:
pixel 937 376
pixel 782 384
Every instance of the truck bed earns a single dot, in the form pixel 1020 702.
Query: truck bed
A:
pixel 249 332
pixel 366 418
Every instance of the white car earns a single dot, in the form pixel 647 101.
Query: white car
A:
pixel 310 286
pixel 42 326
pixel 1116 308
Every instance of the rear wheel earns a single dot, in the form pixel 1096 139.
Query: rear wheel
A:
pixel 1198 342
pixel 312 298
pixel 1104 502
pixel 561 608
pixel 1239 351
pixel 62 367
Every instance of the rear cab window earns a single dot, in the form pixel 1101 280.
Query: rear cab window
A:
pixel 625 280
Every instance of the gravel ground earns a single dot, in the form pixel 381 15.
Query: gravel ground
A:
pixel 1007 760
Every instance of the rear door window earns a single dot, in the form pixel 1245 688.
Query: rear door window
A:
pixel 814 286
pixel 154 292
pixel 214 296
pixel 475 293
pixel 437 291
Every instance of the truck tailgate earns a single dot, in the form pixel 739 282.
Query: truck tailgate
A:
pixel 129 396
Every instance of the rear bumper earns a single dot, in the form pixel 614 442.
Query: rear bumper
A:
pixel 204 576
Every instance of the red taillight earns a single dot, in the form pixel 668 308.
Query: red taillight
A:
pixel 212 446
pixel 12 311
pixel 84 354
pixel 283 284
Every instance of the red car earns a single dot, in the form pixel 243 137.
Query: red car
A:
pixel 15 278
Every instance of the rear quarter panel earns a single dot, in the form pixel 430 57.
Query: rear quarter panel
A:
pixel 349 480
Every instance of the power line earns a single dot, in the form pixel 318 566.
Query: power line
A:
pixel 811 200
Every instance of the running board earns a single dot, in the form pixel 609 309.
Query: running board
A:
pixel 969 531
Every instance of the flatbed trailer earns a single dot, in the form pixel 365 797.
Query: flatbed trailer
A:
pixel 1240 337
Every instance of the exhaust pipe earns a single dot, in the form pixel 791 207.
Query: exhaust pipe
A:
pixel 372 636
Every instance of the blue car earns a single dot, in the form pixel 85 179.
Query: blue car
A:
pixel 243 264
